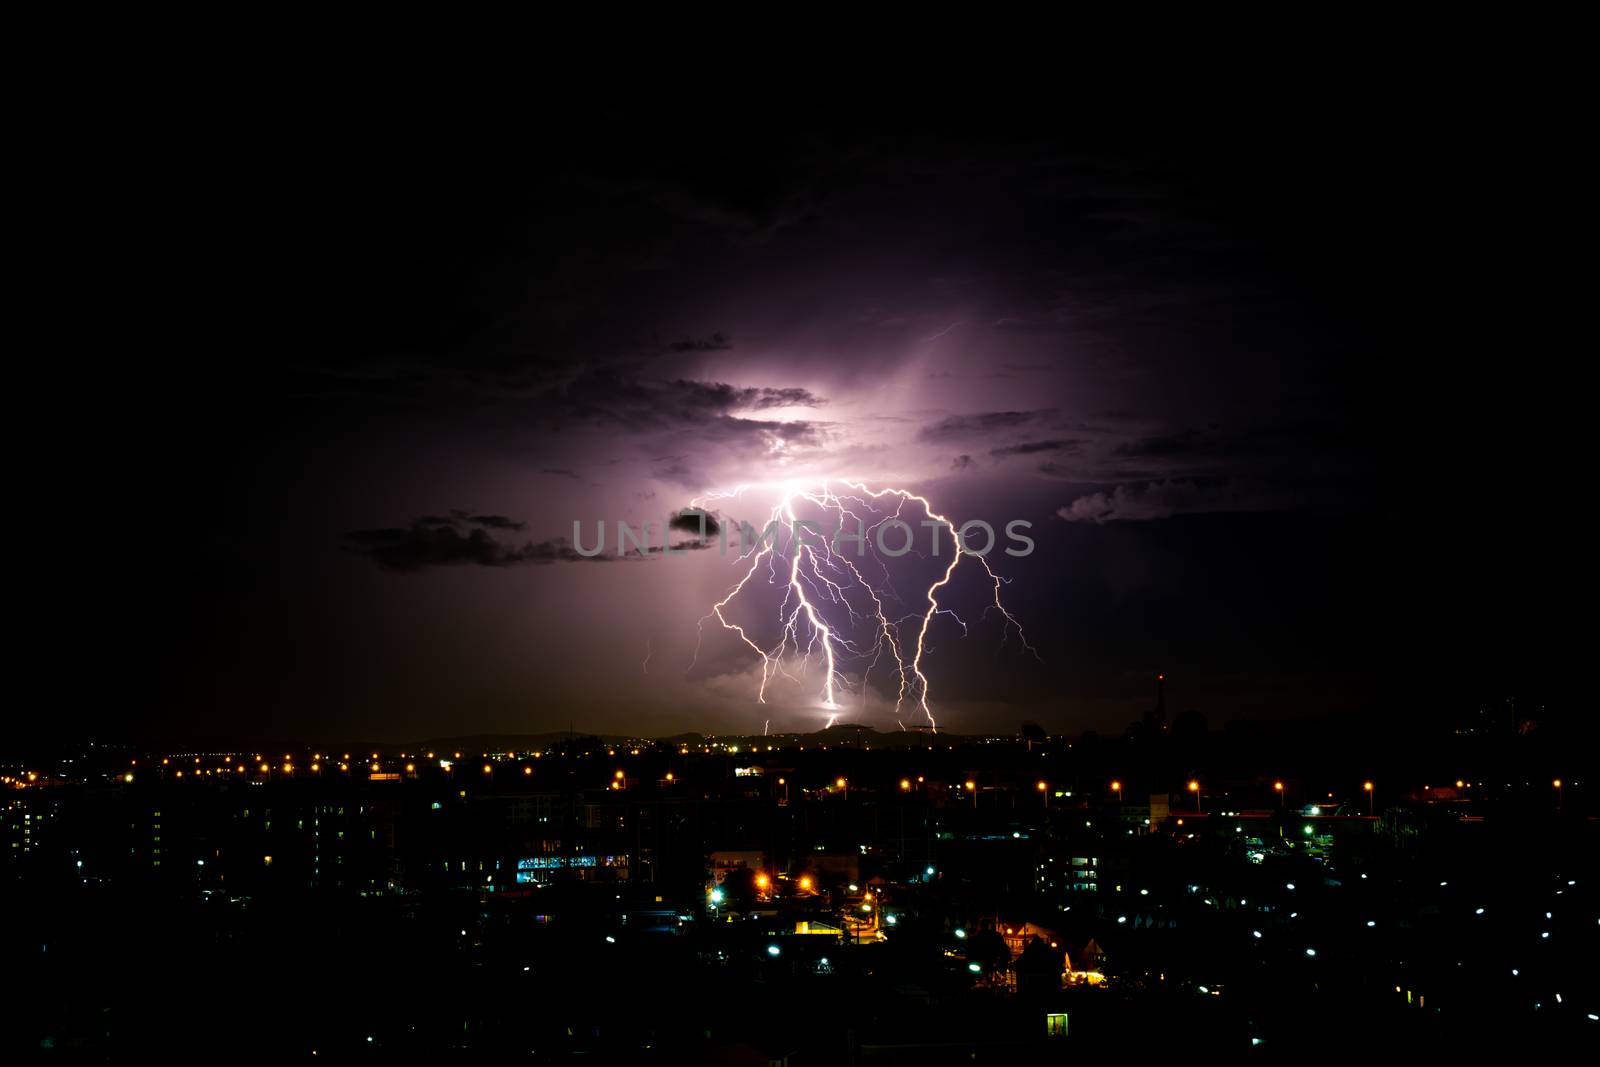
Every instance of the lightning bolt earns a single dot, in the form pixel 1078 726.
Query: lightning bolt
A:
pixel 819 580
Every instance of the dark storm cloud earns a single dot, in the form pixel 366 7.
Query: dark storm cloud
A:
pixel 496 522
pixel 642 402
pixel 1280 439
pixel 1028 448
pixel 690 520
pixel 961 462
pixel 421 545
pixel 1161 500
pixel 959 426
pixel 463 539
pixel 458 518
pixel 715 343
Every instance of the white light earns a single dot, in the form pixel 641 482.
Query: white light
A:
pixel 960 932
pixel 1255 933
pixel 929 872
pixel 1289 885
pixel 1122 918
pixel 610 940
pixel 1546 934
pixel 1371 923
pixel 773 950
pixel 1478 912
pixel 1144 892
pixel 974 968
pixel 1311 952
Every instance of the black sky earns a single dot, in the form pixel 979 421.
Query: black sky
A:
pixel 1284 381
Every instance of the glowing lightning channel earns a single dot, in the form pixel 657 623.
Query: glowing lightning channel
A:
pixel 818 575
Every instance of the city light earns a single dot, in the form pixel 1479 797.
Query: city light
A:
pixel 773 950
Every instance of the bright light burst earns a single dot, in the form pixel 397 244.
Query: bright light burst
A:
pixel 819 572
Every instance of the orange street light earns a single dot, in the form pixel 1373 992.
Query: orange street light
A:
pixel 905 785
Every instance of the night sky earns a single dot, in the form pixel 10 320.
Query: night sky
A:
pixel 1281 392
